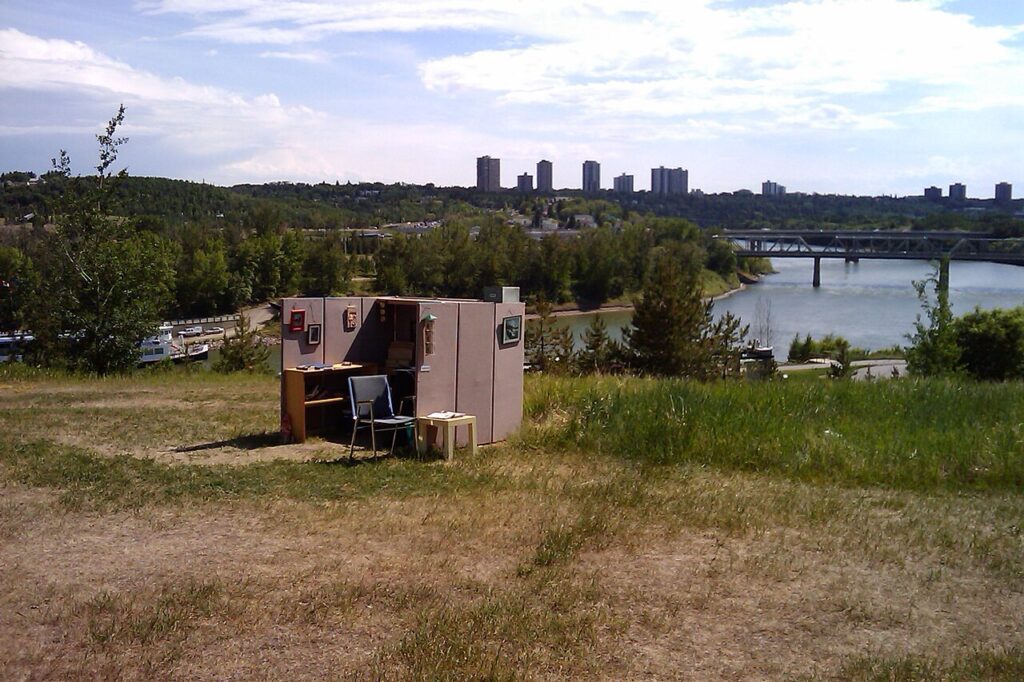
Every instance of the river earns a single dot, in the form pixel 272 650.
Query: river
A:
pixel 872 303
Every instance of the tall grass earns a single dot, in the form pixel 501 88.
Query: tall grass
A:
pixel 905 434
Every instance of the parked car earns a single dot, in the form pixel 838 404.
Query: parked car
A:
pixel 215 330
pixel 192 331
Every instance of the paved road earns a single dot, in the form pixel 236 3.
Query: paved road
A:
pixel 256 315
pixel 862 369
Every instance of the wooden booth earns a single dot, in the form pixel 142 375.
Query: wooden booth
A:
pixel 462 356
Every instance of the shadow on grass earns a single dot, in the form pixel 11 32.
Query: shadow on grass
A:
pixel 251 441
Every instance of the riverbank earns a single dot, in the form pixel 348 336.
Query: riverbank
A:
pixel 620 306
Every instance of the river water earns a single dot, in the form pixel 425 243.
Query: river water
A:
pixel 872 303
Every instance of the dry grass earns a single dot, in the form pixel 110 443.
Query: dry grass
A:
pixel 521 563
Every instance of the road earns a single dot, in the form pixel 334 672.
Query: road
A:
pixel 257 317
pixel 862 369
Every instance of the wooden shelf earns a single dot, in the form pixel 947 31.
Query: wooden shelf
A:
pixel 298 383
pixel 325 401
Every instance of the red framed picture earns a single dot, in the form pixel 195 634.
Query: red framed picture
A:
pixel 297 320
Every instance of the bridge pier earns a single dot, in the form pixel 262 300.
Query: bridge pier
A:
pixel 816 281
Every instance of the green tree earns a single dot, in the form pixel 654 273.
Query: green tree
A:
pixel 18 284
pixel 842 362
pixel 597 350
pixel 933 349
pixel 106 283
pixel 326 268
pixel 244 352
pixel 673 331
pixel 991 343
pixel 540 342
pixel 665 332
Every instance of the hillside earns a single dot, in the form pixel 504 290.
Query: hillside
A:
pixel 152 527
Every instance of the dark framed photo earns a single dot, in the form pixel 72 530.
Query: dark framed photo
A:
pixel 511 329
pixel 313 334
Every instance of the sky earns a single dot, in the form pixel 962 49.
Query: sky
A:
pixel 866 97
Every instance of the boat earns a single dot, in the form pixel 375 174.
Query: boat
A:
pixel 164 346
pixel 12 346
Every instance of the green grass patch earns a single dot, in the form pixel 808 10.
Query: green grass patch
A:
pixel 124 482
pixel 991 666
pixel 921 435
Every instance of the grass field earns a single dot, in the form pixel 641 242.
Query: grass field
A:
pixel 152 527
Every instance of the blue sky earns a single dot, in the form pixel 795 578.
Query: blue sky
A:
pixel 846 96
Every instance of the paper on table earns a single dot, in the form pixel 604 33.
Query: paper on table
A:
pixel 444 415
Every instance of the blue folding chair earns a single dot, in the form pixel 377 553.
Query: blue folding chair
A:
pixel 372 409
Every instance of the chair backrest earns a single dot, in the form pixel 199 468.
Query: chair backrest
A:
pixel 375 388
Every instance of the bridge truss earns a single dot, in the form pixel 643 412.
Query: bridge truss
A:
pixel 854 245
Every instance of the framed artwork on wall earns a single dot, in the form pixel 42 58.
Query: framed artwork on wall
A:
pixel 511 329
pixel 297 320
pixel 313 334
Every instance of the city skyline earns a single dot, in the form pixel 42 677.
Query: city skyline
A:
pixel 864 97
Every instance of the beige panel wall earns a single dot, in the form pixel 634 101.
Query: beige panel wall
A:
pixel 508 373
pixel 372 337
pixel 435 373
pixel 338 341
pixel 476 368
pixel 294 349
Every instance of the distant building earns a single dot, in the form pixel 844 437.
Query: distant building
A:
pixel 623 184
pixel 544 177
pixel 772 189
pixel 591 177
pixel 670 180
pixel 933 193
pixel 1004 193
pixel 524 182
pixel 958 192
pixel 488 174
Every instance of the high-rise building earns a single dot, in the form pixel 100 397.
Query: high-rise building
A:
pixel 544 177
pixel 958 192
pixel 623 184
pixel 591 177
pixel 1004 193
pixel 670 180
pixel 488 174
pixel 933 193
pixel 524 182
pixel 772 189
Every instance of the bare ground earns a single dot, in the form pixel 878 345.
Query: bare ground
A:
pixel 291 590
pixel 712 577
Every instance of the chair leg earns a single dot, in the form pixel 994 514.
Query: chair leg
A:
pixel 394 437
pixel 352 449
pixel 373 438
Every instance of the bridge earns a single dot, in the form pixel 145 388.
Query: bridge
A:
pixel 853 245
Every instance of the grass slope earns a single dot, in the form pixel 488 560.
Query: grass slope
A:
pixel 150 526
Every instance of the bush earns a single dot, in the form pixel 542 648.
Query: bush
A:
pixel 991 343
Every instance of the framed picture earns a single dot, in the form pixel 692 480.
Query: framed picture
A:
pixel 313 334
pixel 297 320
pixel 511 329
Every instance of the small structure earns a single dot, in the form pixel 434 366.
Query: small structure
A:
pixel 453 355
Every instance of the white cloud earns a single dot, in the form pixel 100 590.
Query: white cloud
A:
pixel 308 56
pixel 247 138
pixel 794 63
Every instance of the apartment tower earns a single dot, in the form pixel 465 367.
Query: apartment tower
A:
pixel 591 177
pixel 488 174
pixel 544 177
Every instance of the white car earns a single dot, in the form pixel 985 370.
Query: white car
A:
pixel 192 331
pixel 214 330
